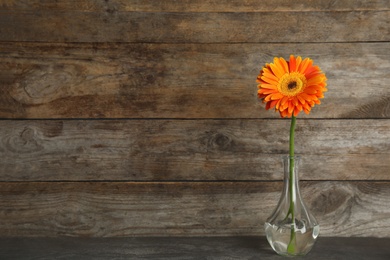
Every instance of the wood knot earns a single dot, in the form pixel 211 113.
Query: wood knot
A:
pixel 27 135
pixel 222 141
pixel 43 84
pixel 219 141
pixel 24 142
pixel 330 200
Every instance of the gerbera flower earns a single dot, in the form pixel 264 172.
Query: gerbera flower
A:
pixel 291 86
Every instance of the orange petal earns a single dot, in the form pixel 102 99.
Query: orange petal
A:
pixel 283 107
pixel 269 86
pixel 307 97
pixel 278 104
pixel 269 74
pixel 269 80
pixel 310 90
pixel 290 107
pixel 282 64
pixel 267 91
pixel 285 65
pixel 301 99
pixel 303 66
pixel 284 113
pixel 267 98
pixel 315 80
pixel 313 74
pixel 292 63
pixel 284 100
pixel 277 70
pixel 294 100
pixel 298 61
pixel 296 111
pixel 312 71
pixel 317 87
pixel 276 95
pixel 306 106
pixel 267 105
pixel 273 103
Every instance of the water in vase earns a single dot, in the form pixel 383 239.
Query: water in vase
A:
pixel 279 237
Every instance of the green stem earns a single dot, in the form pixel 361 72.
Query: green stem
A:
pixel 291 245
pixel 292 132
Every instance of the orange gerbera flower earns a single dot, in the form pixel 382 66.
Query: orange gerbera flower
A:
pixel 291 86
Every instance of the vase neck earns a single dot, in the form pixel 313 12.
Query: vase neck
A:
pixel 291 176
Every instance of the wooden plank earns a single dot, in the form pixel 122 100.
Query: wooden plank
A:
pixel 168 27
pixel 191 149
pixel 194 5
pixel 105 209
pixel 191 248
pixel 181 80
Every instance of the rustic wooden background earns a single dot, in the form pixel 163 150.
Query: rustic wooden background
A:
pixel 140 117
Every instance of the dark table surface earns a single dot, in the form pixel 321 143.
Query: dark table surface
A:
pixel 184 248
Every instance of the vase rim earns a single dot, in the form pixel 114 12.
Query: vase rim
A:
pixel 291 157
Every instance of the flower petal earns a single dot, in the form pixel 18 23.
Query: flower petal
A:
pixel 296 111
pixel 273 103
pixel 276 96
pixel 292 64
pixel 305 63
pixel 307 97
pixel 269 74
pixel 310 91
pixel 312 70
pixel 283 101
pixel 269 86
pixel 282 64
pixel 269 80
pixel 283 113
pixel 290 107
pixel 267 91
pixel 277 70
pixel 294 100
pixel 315 80
pixel 298 62
pixel 301 99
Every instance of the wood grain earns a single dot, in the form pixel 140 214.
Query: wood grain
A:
pixel 191 149
pixel 48 80
pixel 173 27
pixel 189 248
pixel 184 6
pixel 101 209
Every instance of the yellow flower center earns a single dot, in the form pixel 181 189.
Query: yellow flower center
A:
pixel 290 84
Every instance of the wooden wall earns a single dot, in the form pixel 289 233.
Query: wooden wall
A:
pixel 140 117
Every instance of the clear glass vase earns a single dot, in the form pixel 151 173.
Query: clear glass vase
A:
pixel 291 230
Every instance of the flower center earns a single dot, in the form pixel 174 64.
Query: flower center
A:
pixel 290 84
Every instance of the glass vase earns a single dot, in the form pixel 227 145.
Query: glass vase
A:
pixel 291 230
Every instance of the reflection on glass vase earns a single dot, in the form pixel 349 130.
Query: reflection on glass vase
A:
pixel 291 230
